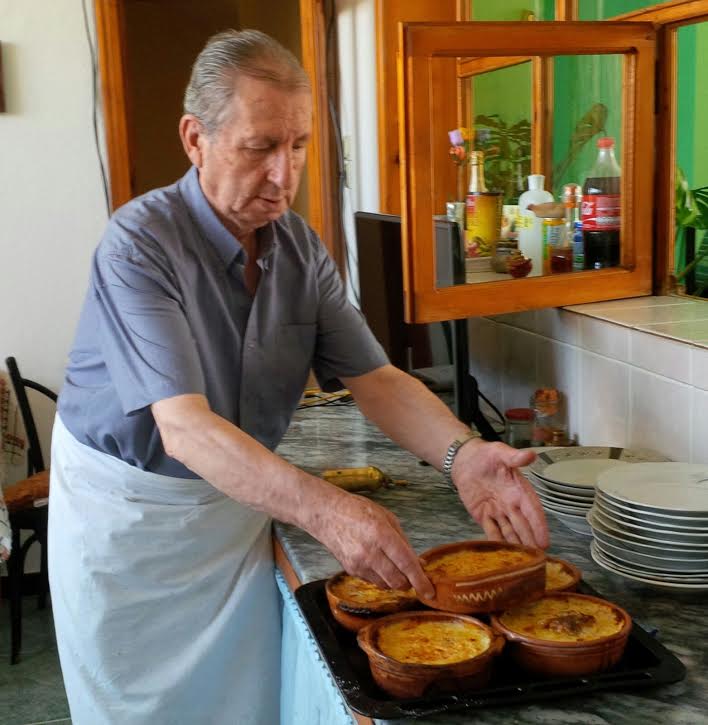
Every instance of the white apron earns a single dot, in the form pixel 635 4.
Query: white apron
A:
pixel 163 593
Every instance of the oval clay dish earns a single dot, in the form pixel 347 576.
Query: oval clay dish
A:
pixel 561 575
pixel 354 602
pixel 472 577
pixel 565 633
pixel 429 642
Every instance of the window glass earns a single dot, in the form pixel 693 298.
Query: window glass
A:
pixel 605 9
pixel 512 9
pixel 587 106
pixel 691 242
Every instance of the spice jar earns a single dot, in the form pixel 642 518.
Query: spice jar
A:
pixel 519 424
pixel 549 416
pixel 503 251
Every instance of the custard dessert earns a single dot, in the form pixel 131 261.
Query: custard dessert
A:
pixel 566 619
pixel 441 642
pixel 354 590
pixel 474 562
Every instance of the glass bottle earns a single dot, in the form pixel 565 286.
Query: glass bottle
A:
pixel 482 212
pixel 600 212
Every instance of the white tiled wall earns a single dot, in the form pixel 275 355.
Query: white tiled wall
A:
pixel 625 384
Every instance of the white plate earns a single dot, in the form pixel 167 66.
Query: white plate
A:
pixel 583 503
pixel 602 532
pixel 620 558
pixel 575 523
pixel 551 506
pixel 577 491
pixel 624 533
pixel 606 564
pixel 580 472
pixel 583 453
pixel 643 529
pixel 655 563
pixel 662 487
pixel 683 524
pixel 571 499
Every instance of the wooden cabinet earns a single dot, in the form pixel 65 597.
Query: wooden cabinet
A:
pixel 429 54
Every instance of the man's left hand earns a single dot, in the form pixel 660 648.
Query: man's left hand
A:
pixel 497 496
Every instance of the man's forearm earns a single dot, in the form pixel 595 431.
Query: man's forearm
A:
pixel 238 465
pixel 407 412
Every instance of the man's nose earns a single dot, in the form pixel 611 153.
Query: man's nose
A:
pixel 281 169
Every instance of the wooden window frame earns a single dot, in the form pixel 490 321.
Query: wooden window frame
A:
pixel 419 43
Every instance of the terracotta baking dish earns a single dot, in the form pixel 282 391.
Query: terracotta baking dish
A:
pixel 355 602
pixel 561 575
pixel 581 647
pixel 499 575
pixel 424 629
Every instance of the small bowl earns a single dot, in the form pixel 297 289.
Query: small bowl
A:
pixel 364 601
pixel 576 656
pixel 414 679
pixel 494 589
pixel 561 575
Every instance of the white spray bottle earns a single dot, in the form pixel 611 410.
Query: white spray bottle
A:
pixel 529 225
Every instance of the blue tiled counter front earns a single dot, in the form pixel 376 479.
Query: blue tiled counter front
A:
pixel 431 514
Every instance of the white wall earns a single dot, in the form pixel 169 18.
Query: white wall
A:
pixel 625 386
pixel 52 210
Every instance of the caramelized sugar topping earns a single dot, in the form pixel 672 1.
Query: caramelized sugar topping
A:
pixel 353 589
pixel 557 576
pixel 471 562
pixel 569 619
pixel 437 642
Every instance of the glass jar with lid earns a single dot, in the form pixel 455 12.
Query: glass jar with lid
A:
pixel 519 427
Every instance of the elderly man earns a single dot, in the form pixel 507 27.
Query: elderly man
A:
pixel 209 302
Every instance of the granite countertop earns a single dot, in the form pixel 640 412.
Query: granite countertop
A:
pixel 431 514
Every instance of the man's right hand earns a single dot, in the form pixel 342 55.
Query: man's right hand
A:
pixel 368 542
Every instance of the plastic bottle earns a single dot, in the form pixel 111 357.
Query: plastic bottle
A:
pixel 600 211
pixel 529 225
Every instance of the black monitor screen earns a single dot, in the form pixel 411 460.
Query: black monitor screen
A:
pixel 381 283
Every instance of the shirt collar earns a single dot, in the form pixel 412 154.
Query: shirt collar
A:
pixel 226 244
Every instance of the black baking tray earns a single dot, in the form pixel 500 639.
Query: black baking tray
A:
pixel 645 663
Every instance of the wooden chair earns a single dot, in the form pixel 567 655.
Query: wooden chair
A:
pixel 20 498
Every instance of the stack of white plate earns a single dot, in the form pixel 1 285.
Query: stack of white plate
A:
pixel 565 478
pixel 650 524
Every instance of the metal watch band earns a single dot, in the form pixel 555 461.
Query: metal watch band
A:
pixel 452 452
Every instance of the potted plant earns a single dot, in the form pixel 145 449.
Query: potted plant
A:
pixel 691 211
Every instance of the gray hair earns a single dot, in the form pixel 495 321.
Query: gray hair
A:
pixel 224 58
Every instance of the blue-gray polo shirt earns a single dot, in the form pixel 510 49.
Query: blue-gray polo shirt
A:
pixel 167 313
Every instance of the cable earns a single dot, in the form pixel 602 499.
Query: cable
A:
pixel 493 407
pixel 94 104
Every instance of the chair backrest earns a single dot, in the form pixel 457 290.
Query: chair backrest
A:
pixel 35 460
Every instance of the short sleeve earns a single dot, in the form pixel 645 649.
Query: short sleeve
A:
pixel 144 333
pixel 345 346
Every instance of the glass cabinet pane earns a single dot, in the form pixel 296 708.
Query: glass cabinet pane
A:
pixel 605 9
pixel 691 149
pixel 512 9
pixel 495 152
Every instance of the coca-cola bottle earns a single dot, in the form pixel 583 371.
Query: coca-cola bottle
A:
pixel 600 209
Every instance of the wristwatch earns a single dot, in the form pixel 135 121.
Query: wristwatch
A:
pixel 452 452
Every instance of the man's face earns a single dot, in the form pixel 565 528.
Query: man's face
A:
pixel 250 168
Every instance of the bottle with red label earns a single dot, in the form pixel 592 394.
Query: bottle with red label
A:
pixel 600 209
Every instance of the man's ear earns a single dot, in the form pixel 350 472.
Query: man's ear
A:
pixel 193 135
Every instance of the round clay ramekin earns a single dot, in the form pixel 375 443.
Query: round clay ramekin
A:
pixel 404 680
